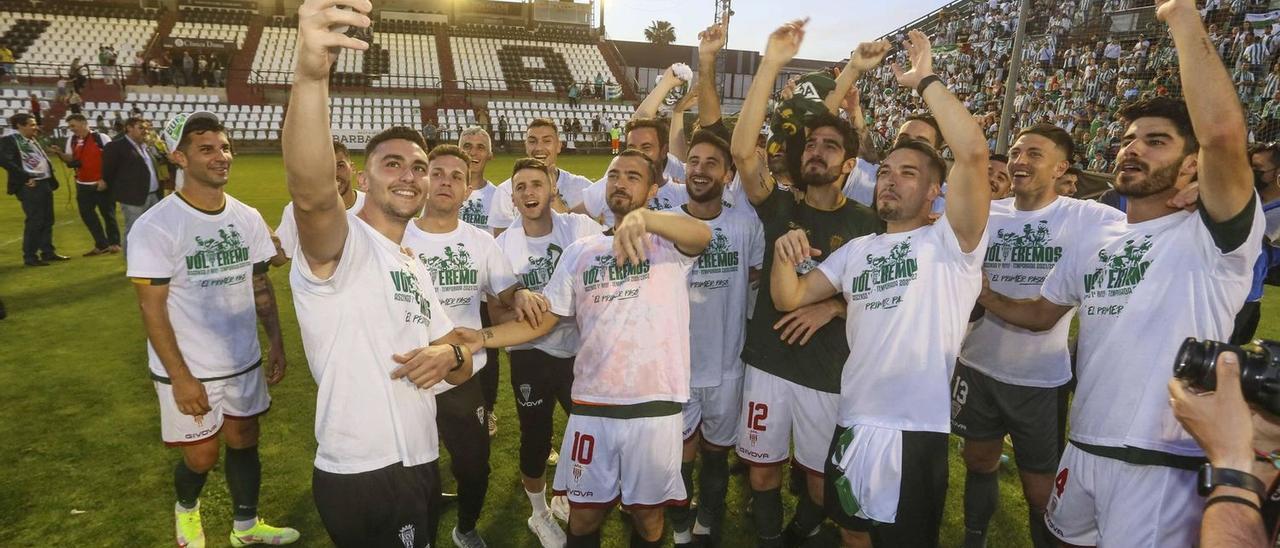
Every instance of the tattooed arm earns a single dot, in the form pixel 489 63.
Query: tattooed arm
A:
pixel 264 300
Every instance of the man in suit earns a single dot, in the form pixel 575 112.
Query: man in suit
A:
pixel 131 172
pixel 31 180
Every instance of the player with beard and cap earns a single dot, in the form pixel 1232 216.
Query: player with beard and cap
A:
pixel 719 287
pixel 1008 379
pixel 376 336
pixel 466 265
pixel 199 260
pixel 1068 184
pixel 476 143
pixel 541 141
pixel 791 386
pixel 998 176
pixel 909 293
pixel 1127 478
pixel 541 370
pixel 625 289
pixel 287 231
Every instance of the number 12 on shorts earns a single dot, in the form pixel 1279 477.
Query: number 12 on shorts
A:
pixel 756 414
pixel 584 447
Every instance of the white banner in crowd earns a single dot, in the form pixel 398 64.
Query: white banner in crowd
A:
pixel 355 139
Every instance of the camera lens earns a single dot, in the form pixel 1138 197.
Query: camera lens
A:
pixel 1193 361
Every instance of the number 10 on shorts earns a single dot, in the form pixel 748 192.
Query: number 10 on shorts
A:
pixel 584 447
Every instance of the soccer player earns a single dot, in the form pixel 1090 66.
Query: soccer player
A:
pixel 541 370
pixel 860 186
pixel 719 287
pixel 541 141
pixel 648 135
pixel 352 199
pixel 625 288
pixel 375 335
pixel 1068 183
pixel 791 386
pixel 465 264
pixel 1127 477
pixel 1008 379
pixel 909 293
pixel 476 143
pixel 199 261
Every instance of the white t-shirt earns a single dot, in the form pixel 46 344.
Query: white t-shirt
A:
pixel 719 287
pixel 1023 247
pixel 860 186
pixel 502 212
pixel 1141 289
pixel 674 170
pixel 534 259
pixel 475 210
pixel 379 302
pixel 287 231
pixel 670 196
pixel 208 259
pixel 465 265
pixel 909 295
pixel 630 350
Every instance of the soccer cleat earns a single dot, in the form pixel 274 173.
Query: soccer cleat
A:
pixel 553 457
pixel 560 508
pixel 493 424
pixel 468 540
pixel 189 532
pixel 544 527
pixel 261 533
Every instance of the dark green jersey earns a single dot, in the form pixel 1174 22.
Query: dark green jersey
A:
pixel 818 363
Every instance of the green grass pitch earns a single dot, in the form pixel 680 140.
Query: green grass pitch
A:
pixel 81 461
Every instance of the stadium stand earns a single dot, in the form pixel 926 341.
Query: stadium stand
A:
pixel 50 39
pixel 245 122
pixel 403 55
pixel 508 59
pixel 520 113
pixel 373 112
pixel 13 101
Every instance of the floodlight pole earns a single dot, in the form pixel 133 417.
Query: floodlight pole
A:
pixel 1011 83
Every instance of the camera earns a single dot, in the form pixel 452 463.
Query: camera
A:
pixel 1259 369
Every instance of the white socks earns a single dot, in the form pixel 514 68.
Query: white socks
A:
pixel 246 524
pixel 538 501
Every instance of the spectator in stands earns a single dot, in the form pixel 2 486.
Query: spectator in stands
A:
pixel 130 171
pixel 98 211
pixel 60 90
pixel 139 64
pixel 595 129
pixel 153 71
pixel 573 94
pixel 7 63
pixel 34 101
pixel 1067 184
pixel 107 63
pixel 79 75
pixel 31 179
pixel 502 131
pixel 202 71
pixel 75 105
pixel 599 81
pixel 188 69
pixel 431 132
pixel 217 71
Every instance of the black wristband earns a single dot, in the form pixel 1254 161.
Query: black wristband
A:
pixel 926 82
pixel 1233 500
pixel 458 358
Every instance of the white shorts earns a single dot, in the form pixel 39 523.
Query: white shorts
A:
pixel 714 411
pixel 1098 501
pixel 243 396
pixel 635 460
pixel 776 412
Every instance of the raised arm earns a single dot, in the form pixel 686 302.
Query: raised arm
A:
pixel 781 48
pixel 689 235
pixel 1226 183
pixel 308 151
pixel 861 60
pixel 649 106
pixel 969 194
pixel 677 144
pixel 788 290
pixel 852 104
pixel 710 42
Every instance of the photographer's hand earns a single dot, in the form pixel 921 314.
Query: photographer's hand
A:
pixel 1219 421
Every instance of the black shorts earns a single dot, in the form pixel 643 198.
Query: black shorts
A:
pixel 983 408
pixel 539 380
pixel 395 507
pixel 921 497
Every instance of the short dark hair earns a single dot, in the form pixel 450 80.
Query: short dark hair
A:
pixel 1270 149
pixel 1059 136
pixel 451 150
pixel 848 137
pixel 936 163
pixel 20 119
pixel 543 122
pixel 1075 171
pixel 1170 109
pixel 997 157
pixel 394 133
pixel 339 148
pixel 654 174
pixel 530 163
pixel 703 136
pixel 659 126
pixel 933 123
pixel 198 125
pixel 132 121
pixel 77 118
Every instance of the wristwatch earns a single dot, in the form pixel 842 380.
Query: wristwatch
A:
pixel 1210 477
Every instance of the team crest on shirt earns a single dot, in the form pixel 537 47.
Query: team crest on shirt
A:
pixel 406 536
pixel 719 255
pixel 754 437
pixel 660 203
pixel 453 271
pixel 577 472
pixel 1030 249
pixel 480 415
pixel 225 251
pixel 540 268
pixel 473 213
pixel 608 271
pixel 1119 273
pixel 897 268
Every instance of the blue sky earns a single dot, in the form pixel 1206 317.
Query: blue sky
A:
pixel 831 35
